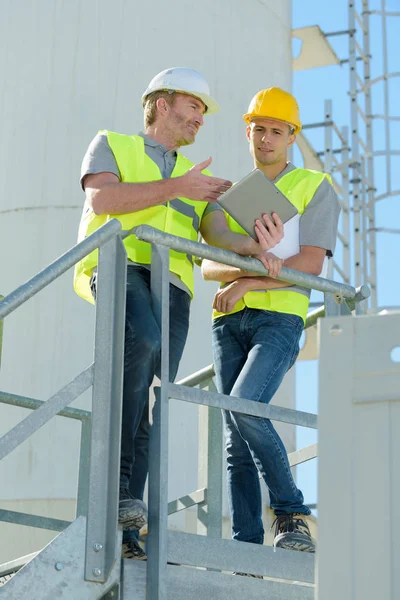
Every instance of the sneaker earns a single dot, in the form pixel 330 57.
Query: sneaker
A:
pixel 132 513
pixel 131 549
pixel 248 575
pixel 292 533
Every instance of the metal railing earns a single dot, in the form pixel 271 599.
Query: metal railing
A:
pixel 99 501
pixel 160 541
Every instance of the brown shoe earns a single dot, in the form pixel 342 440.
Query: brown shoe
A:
pixel 132 549
pixel 292 533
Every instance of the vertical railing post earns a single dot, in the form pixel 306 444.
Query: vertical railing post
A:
pixel 84 468
pixel 101 538
pixel 202 467
pixel 346 203
pixel 328 164
pixel 214 470
pixel 158 448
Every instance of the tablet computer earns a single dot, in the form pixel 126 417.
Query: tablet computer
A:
pixel 252 196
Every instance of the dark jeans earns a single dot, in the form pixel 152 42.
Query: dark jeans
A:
pixel 253 350
pixel 142 362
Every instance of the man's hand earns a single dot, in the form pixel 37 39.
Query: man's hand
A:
pixel 269 232
pixel 196 186
pixel 226 298
pixel 272 263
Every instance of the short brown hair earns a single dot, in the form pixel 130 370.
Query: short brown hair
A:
pixel 150 105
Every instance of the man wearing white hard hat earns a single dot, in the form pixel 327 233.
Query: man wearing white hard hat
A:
pixel 140 179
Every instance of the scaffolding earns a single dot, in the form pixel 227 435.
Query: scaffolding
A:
pixel 349 156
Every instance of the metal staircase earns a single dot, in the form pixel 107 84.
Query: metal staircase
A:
pixel 83 561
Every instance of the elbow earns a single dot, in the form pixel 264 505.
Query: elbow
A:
pixel 317 269
pixel 96 201
pixel 205 274
pixel 205 271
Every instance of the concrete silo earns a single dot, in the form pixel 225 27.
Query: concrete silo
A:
pixel 70 69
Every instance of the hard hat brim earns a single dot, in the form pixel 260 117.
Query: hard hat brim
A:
pixel 248 117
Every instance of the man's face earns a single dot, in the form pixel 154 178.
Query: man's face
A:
pixel 269 140
pixel 185 118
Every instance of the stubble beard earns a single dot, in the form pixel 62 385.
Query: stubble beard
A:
pixel 186 139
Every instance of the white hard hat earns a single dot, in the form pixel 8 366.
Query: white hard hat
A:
pixel 183 80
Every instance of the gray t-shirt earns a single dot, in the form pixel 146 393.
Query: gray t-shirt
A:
pixel 99 158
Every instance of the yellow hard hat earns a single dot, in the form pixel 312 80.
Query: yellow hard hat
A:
pixel 275 103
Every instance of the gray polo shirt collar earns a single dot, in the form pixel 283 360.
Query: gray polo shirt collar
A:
pixel 150 142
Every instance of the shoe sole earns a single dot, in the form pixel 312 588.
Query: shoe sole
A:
pixel 132 557
pixel 248 575
pixel 297 543
pixel 131 521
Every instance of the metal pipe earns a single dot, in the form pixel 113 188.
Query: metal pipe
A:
pixel 32 404
pixel 355 156
pixel 149 234
pixel 158 444
pixel 58 267
pixel 198 377
pixel 328 156
pixel 346 201
pixel 25 428
pixel 82 501
pixel 18 518
pixel 386 95
pixel 105 444
pixel 241 405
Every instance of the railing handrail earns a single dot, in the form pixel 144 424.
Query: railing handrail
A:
pixel 155 236
pixel 58 267
pixel 32 404
pixel 149 234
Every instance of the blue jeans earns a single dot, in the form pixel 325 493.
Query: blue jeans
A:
pixel 141 363
pixel 253 349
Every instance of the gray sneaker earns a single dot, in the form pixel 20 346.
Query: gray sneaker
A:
pixel 292 533
pixel 132 513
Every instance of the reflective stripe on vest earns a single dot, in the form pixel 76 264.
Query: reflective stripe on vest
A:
pixel 180 216
pixel 299 186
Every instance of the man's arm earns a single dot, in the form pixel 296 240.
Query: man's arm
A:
pixel 226 298
pixel 105 193
pixel 216 232
pixel 310 259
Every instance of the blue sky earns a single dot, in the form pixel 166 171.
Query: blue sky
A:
pixel 311 88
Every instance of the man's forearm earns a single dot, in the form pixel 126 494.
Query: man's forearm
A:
pixel 213 271
pixel 122 198
pixel 308 260
pixel 264 283
pixel 235 242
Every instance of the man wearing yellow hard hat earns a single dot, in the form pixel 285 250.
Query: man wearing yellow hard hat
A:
pixel 144 178
pixel 258 322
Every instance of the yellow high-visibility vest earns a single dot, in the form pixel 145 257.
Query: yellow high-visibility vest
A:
pixel 299 186
pixel 181 216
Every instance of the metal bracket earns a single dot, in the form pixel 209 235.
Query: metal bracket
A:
pixel 336 305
